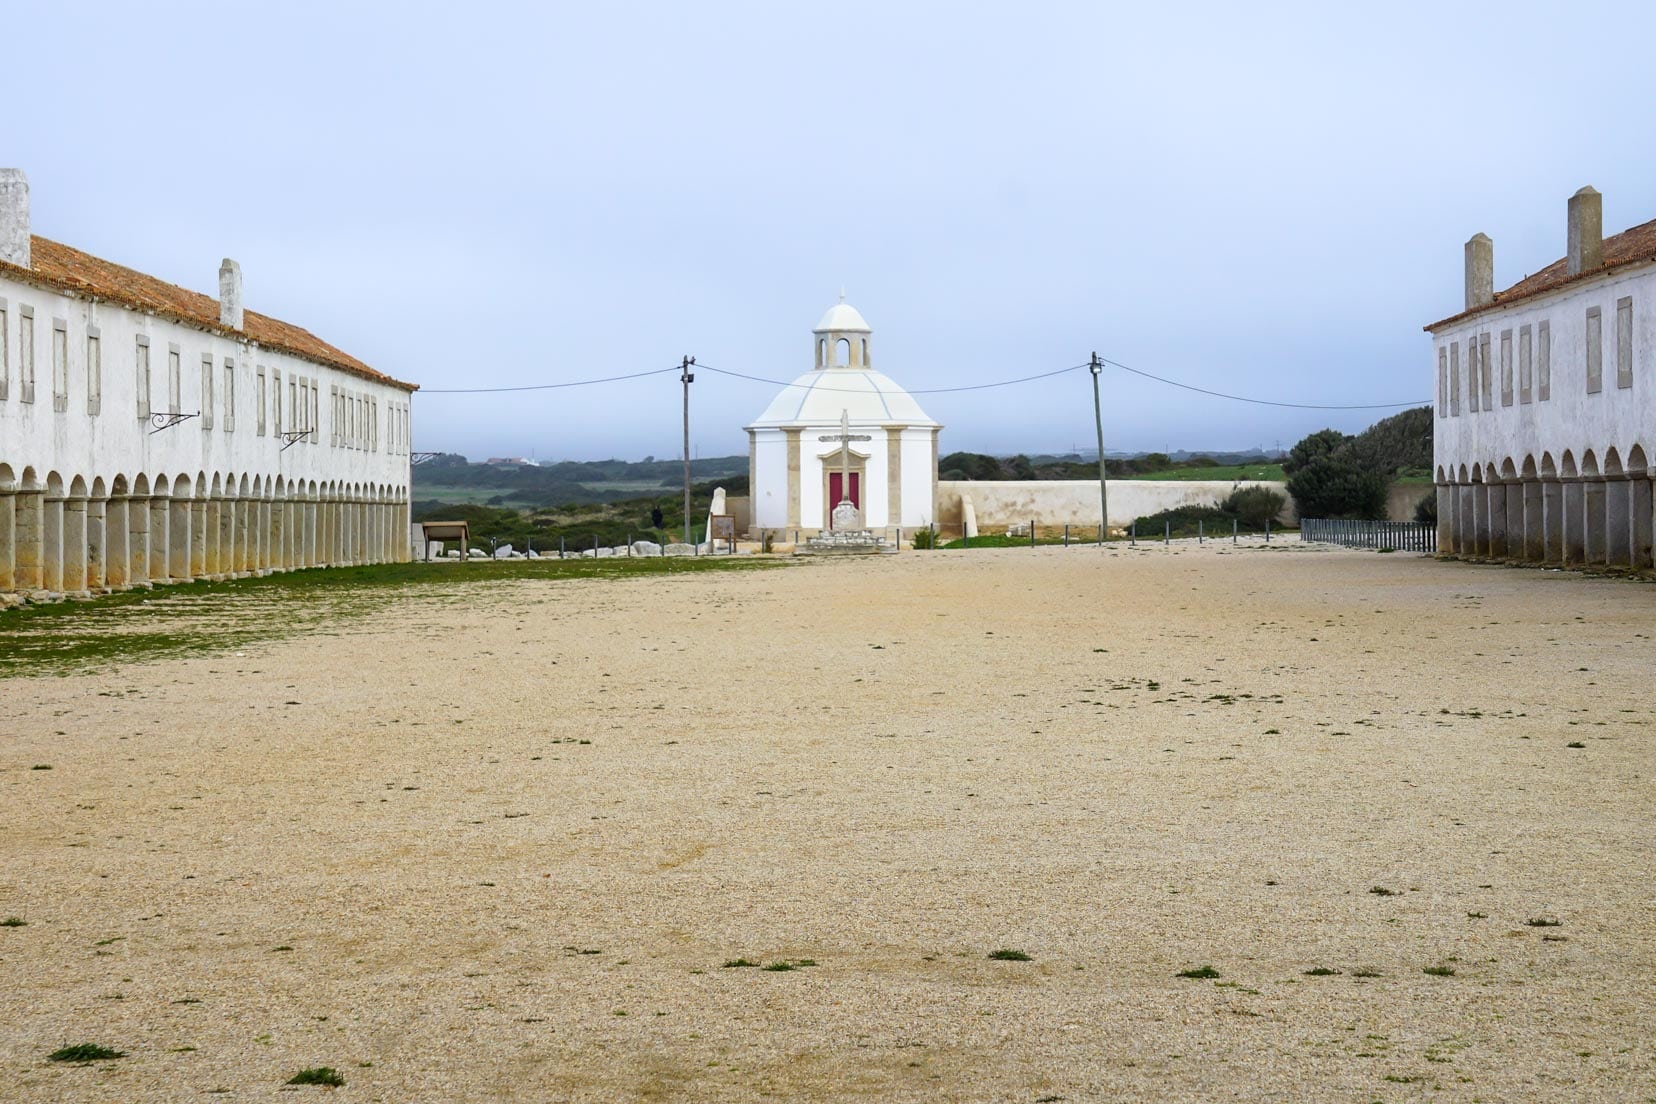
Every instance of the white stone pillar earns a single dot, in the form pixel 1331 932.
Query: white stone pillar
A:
pixel 155 537
pixel 8 540
pixel 1496 493
pixel 227 552
pixel 1618 521
pixel 30 547
pixel 118 532
pixel 74 547
pixel 278 534
pixel 198 537
pixel 1514 519
pixel 1535 532
pixel 51 546
pixel 1445 518
pixel 1480 520
pixel 97 545
pixel 312 550
pixel 179 540
pixel 1575 535
pixel 209 519
pixel 1644 509
pixel 1593 521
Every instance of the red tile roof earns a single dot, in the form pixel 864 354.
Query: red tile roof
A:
pixel 1636 245
pixel 70 270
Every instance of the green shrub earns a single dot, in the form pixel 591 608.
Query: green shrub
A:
pixel 925 538
pixel 1254 506
pixel 1425 511
pixel 321 1075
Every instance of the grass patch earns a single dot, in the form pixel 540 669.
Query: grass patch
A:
pixel 1544 922
pixel 1008 954
pixel 1320 971
pixel 1382 891
pixel 1575 744
pixel 1440 971
pixel 63 638
pixel 14 922
pixel 84 1052
pixel 738 963
pixel 780 967
pixel 321 1075
pixel 1199 972
pixel 41 766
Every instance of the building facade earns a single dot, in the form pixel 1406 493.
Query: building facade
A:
pixel 151 434
pixel 1546 403
pixel 798 467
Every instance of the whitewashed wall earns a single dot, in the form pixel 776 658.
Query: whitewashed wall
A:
pixel 1003 503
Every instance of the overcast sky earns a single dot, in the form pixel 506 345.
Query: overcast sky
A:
pixel 1262 199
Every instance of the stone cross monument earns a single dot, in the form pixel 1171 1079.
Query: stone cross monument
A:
pixel 845 512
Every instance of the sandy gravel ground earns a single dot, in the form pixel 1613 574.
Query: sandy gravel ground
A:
pixel 394 851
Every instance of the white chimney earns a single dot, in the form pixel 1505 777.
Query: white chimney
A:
pixel 1480 272
pixel 14 217
pixel 230 294
pixel 1586 231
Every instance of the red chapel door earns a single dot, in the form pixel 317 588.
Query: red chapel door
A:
pixel 836 493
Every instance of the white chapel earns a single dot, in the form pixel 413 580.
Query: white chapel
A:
pixel 843 432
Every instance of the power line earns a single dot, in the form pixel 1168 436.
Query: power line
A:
pixel 915 391
pixel 1260 402
pixel 542 386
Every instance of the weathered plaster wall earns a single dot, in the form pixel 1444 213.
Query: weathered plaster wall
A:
pixel 1001 503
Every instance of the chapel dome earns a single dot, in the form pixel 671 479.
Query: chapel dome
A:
pixel 866 396
pixel 842 317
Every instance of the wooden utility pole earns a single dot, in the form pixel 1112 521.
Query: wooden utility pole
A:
pixel 1096 366
pixel 687 377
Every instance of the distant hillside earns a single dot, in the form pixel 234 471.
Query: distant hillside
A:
pixel 451 478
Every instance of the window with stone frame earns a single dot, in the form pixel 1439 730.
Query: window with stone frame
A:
pixel 1526 365
pixel 1454 380
pixel 1624 342
pixel 1595 350
pixel 315 411
pixel 141 375
pixel 276 402
pixel 60 365
pixel 5 350
pixel 206 391
pixel 1472 374
pixel 229 395
pixel 175 380
pixel 25 353
pixel 293 408
pixel 1506 367
pixel 1543 361
pixel 260 398
pixel 94 370
pixel 1443 382
pixel 1486 370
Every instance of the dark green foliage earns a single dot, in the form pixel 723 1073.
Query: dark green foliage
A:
pixel 738 963
pixel 1007 954
pixel 1331 475
pixel 1185 521
pixel 1254 506
pixel 1320 971
pixel 84 1052
pixel 1426 509
pixel 14 922
pixel 1440 971
pixel 1199 972
pixel 980 466
pixel 925 538
pixel 321 1075
pixel 1313 448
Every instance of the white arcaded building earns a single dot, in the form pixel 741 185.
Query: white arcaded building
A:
pixel 1546 403
pixel 797 468
pixel 152 434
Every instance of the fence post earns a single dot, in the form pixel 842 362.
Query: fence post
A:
pixel 1267 530
pixel 560 548
pixel 1233 530
pixel 1032 532
pixel 1066 536
pixel 629 546
pixel 1199 531
pixel 1167 533
pixel 1132 535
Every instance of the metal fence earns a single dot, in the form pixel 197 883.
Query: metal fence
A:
pixel 1390 536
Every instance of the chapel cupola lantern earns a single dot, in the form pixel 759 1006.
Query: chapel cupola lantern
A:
pixel 842 338
pixel 842 447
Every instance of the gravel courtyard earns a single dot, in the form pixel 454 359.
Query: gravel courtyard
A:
pixel 502 841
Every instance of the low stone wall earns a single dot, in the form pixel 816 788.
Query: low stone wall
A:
pixel 1402 499
pixel 1000 504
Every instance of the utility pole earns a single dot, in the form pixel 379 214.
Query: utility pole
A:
pixel 1096 367
pixel 687 377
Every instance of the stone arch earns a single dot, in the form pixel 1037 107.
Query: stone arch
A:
pixel 1440 476
pixel 1490 474
pixel 201 484
pixel 1589 463
pixel 1567 465
pixel 242 486
pixel 842 348
pixel 54 484
pixel 100 489
pixel 822 351
pixel 77 487
pixel 1612 461
pixel 1549 466
pixel 1477 473
pixel 217 486
pixel 120 486
pixel 1528 471
pixel 1636 461
pixel 1462 478
pixel 1509 470
pixel 8 479
pixel 30 481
